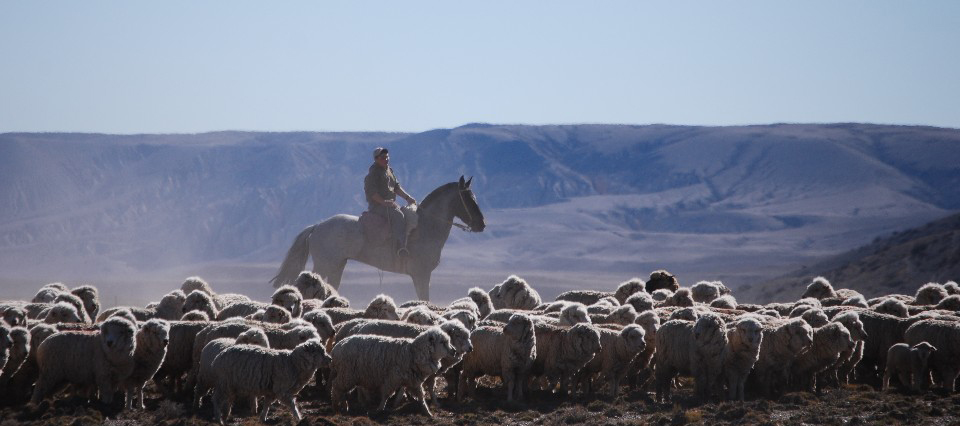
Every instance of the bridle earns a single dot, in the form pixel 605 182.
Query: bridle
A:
pixel 451 222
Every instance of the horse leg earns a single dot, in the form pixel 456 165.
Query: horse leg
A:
pixel 421 283
pixel 330 270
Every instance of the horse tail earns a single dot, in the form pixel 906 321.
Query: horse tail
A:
pixel 295 260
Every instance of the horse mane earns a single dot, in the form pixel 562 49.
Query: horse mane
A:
pixel 435 194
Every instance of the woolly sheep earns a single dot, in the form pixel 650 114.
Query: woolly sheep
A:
pixel 681 298
pixel 198 300
pixel 169 308
pixel 421 315
pixel 196 283
pixel 705 291
pixel 312 286
pixel 640 370
pixel 507 352
pixel 945 336
pixel 952 288
pixel 661 295
pixel 482 299
pixel 321 321
pixel 829 342
pixel 950 303
pixel 14 353
pixel 629 288
pixel 62 312
pixel 641 302
pixel 380 366
pixel 562 352
pixel 195 316
pixel 514 293
pixel 858 301
pixel 47 293
pixel 464 304
pixel 617 351
pixel 272 314
pixel 241 310
pixel 908 364
pixel 819 288
pixel 206 378
pixel 724 302
pixel 572 314
pixel 930 294
pixel 381 307
pixel 623 315
pixel 249 371
pixel 467 318
pixel 586 297
pixel 151 348
pixel 743 349
pixel 815 317
pixel 103 359
pixel 783 340
pixel 19 387
pixel 893 307
pixel 222 301
pixel 90 297
pixel 335 302
pixel 901 297
pixel 179 359
pixel 6 345
pixel 690 348
pixel 289 298
pixel 13 316
pixel 839 373
pixel 686 314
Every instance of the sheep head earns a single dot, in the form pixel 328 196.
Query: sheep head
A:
pixel 117 336
pixel 382 307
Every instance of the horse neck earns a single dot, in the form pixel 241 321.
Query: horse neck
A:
pixel 437 219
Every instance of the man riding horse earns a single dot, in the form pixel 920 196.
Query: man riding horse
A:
pixel 381 188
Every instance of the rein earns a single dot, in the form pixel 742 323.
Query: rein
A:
pixel 451 222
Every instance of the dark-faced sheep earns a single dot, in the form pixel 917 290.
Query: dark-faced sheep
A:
pixel 661 279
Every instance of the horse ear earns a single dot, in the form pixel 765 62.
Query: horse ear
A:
pixel 467 185
pixel 461 181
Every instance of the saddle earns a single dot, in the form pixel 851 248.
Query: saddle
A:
pixel 376 228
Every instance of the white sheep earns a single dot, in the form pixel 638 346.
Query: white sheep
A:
pixel 690 348
pixel 321 321
pixel 726 301
pixel 892 306
pixel 482 299
pixel 14 349
pixel 195 316
pixel 151 348
pixel 641 302
pixel 13 315
pixel 706 291
pixel 857 301
pixel 743 349
pixel 819 288
pixel 467 318
pixel 783 341
pixel 103 359
pixel 908 364
pixel 273 314
pixel 381 307
pixel 421 315
pixel 6 346
pixel 586 297
pixel 618 350
pixel 839 373
pixel 289 298
pixel 313 286
pixel 562 352
pixel 829 342
pixel 380 366
pixel 507 351
pixel 249 371
pixel 61 312
pixel 464 304
pixel 206 379
pixel 640 372
pixel 169 308
pixel 661 295
pixel 91 299
pixel 930 294
pixel 48 292
pixel 945 336
pixel 199 300
pixel 514 293
pixel 629 288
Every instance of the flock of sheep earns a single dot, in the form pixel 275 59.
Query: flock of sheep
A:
pixel 247 352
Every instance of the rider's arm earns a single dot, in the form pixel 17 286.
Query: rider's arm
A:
pixel 403 194
pixel 378 199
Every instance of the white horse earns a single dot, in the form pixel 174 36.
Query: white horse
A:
pixel 338 239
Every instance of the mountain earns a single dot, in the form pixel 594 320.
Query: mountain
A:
pixel 567 206
pixel 896 264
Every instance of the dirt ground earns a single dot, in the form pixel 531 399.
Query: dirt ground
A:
pixel 850 405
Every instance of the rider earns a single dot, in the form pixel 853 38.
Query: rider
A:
pixel 382 188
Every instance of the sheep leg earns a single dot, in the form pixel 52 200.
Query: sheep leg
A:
pixel 292 403
pixel 614 386
pixel 462 386
pixel 417 391
pixel 266 408
pixel 143 406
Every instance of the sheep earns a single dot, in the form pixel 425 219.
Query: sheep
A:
pixel 829 342
pixel 857 301
pixel 151 348
pixel 661 279
pixel 952 288
pixel 640 369
pixel 507 352
pixel 783 341
pixel 815 317
pixel 623 315
pixel 289 298
pixel 950 303
pixel 19 387
pixel 908 364
pixel 198 300
pixel 222 301
pixel 839 373
pixel 686 314
pixel 321 321
pixel 13 316
pixel 724 302
pixel 272 314
pixel 617 351
pixel 205 375
pixel 661 295
pixel 482 299
pixel 561 352
pixel 178 360
pixel 945 336
pixel 241 310
pixel 573 314
pixel 15 352
pixel 705 291
pixel 901 297
pixel 169 308
pixel 743 349
pixel 312 286
pixel 681 298
pixel 252 371
pixel 103 359
pixel 381 307
pixel 62 312
pixel 690 348
pixel 196 283
pixel 48 292
pixel 421 315
pixel 819 288
pixel 641 302
pixel 195 316
pixel 514 293
pixel 90 297
pixel 629 288
pixel 893 307
pixel 586 297
pixel 930 294
pixel 380 366
pixel 467 318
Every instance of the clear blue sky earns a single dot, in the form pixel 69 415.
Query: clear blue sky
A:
pixel 195 66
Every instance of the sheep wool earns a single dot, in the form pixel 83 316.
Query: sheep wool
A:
pixel 380 366
pixel 289 298
pixel 562 352
pixel 945 336
pixel 206 378
pixel 908 364
pixel 90 297
pixel 586 297
pixel 507 351
pixel 641 302
pixel 313 286
pixel 829 342
pixel 61 312
pixel 819 288
pixel 629 288
pixel 102 359
pixel 783 340
pixel 514 293
pixel 930 294
pixel 892 306
pixel 467 318
pixel 198 300
pixel 151 348
pixel 617 351
pixel 14 349
pixel 743 350
pixel 13 316
pixel 249 371
pixel 381 307
pixel 697 349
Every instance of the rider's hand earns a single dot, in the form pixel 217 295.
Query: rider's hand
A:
pixel 411 201
pixel 389 203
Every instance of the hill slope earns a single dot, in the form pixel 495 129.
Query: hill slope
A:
pixel 899 263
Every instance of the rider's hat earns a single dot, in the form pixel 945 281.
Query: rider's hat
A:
pixel 380 151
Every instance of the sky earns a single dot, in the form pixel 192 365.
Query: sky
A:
pixel 198 66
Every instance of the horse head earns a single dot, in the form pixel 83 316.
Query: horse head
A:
pixel 468 211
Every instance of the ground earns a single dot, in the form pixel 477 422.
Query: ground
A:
pixel 852 404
